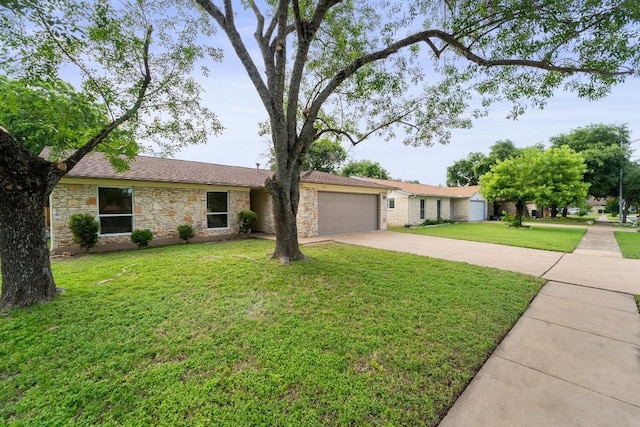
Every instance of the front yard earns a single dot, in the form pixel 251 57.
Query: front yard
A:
pixel 559 239
pixel 219 334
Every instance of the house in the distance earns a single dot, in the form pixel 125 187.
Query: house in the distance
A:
pixel 161 194
pixel 412 204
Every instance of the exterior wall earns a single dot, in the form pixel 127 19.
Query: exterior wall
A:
pixel 307 220
pixel 382 211
pixel 407 209
pixel 262 205
pixel 158 208
pixel 460 209
pixel 399 215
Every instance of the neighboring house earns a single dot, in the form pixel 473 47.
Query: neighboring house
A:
pixel 160 194
pixel 412 204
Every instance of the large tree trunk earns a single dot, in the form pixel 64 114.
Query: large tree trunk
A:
pixel 26 270
pixel 26 181
pixel 286 195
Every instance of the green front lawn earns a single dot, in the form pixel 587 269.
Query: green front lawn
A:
pixel 569 220
pixel 219 334
pixel 560 239
pixel 629 244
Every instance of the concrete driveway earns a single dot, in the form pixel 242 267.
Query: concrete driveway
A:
pixel 522 260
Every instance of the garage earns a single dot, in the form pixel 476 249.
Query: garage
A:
pixel 346 212
pixel 477 210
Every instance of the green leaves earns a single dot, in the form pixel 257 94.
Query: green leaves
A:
pixel 101 47
pixel 605 149
pixel 365 168
pixel 552 177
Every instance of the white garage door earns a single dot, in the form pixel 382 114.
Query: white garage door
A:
pixel 346 212
pixel 477 210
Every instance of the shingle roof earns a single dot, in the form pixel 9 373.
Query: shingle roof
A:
pixel 427 190
pixel 145 168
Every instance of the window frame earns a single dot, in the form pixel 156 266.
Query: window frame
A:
pixel 423 208
pixel 206 196
pixel 100 215
pixel 391 201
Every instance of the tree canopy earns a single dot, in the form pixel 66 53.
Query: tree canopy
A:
pixel 365 168
pixel 325 155
pixel 53 113
pixel 468 171
pixel 606 150
pixel 551 177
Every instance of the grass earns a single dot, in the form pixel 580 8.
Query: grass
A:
pixel 569 220
pixel 629 244
pixel 219 334
pixel 560 239
pixel 637 297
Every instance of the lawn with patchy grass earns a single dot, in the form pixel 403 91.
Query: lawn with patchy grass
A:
pixel 629 244
pixel 559 239
pixel 219 334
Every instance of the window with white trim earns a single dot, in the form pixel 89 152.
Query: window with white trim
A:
pixel 217 209
pixel 422 208
pixel 391 203
pixel 115 210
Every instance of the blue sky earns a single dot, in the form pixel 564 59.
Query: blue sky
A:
pixel 231 95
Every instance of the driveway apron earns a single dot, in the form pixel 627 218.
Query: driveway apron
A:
pixel 573 358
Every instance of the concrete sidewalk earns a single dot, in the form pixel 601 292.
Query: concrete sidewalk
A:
pixel 573 358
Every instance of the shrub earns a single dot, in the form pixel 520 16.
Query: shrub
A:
pixel 438 221
pixel 511 220
pixel 245 219
pixel 85 230
pixel 185 232
pixel 141 237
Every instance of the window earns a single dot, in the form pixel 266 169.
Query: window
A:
pixel 115 210
pixel 422 203
pixel 391 203
pixel 217 209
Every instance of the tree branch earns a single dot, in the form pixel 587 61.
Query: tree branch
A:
pixel 227 24
pixel 74 158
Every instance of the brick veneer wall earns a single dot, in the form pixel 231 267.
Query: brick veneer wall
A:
pixel 160 209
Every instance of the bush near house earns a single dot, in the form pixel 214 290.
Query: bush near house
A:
pixel 141 237
pixel 245 219
pixel 85 230
pixel 185 232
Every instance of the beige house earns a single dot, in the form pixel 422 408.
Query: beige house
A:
pixel 161 194
pixel 412 204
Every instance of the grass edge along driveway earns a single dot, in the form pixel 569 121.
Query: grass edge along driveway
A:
pixel 558 239
pixel 219 334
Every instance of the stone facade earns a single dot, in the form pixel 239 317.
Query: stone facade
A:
pixel 407 209
pixel 158 208
pixel 460 208
pixel 307 219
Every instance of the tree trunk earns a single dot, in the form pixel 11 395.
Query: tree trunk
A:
pixel 554 211
pixel 26 269
pixel 519 212
pixel 286 195
pixel 26 181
